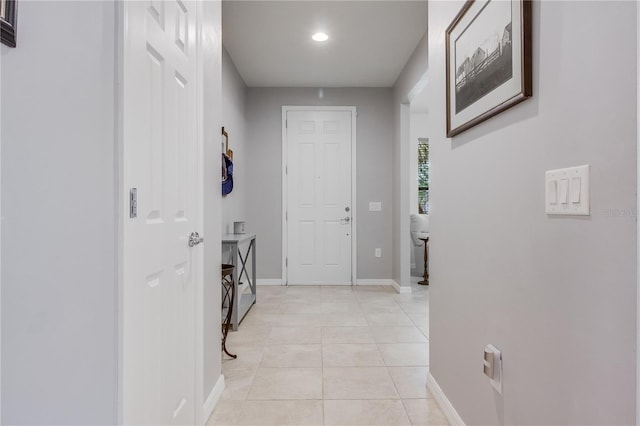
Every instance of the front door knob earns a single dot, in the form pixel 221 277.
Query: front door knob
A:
pixel 195 239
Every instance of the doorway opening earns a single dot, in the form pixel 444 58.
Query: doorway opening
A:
pixel 419 205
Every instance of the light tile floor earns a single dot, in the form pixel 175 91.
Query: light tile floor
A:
pixel 330 356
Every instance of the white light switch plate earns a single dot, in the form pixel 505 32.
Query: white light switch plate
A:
pixel 567 191
pixel 375 206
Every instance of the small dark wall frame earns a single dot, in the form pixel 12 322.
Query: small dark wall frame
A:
pixel 9 11
pixel 488 61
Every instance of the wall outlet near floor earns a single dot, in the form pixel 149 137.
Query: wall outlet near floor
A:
pixel 492 366
pixel 378 252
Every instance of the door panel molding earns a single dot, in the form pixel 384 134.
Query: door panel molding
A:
pixel 354 211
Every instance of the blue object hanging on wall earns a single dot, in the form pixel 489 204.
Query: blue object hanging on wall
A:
pixel 227 175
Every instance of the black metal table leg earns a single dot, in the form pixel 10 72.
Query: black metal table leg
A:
pixel 228 296
pixel 425 279
pixel 243 261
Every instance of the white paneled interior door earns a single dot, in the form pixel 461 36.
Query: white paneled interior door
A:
pixel 318 185
pixel 161 153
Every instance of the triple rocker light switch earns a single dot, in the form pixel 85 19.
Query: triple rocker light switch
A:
pixel 567 191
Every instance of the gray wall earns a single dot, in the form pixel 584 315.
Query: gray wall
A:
pixel 212 63
pixel 407 86
pixel 234 121
pixel 556 294
pixel 374 172
pixel 59 217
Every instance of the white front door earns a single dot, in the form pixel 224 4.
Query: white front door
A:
pixel 161 153
pixel 318 184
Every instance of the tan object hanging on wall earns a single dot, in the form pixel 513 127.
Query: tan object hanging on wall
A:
pixel 226 146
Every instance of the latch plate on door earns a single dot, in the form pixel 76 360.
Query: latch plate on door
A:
pixel 133 203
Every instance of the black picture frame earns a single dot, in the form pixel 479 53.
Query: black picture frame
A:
pixel 485 77
pixel 8 22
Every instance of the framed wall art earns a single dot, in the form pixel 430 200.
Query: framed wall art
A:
pixel 8 13
pixel 488 64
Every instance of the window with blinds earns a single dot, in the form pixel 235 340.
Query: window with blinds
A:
pixel 423 176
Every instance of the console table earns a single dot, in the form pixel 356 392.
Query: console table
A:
pixel 240 247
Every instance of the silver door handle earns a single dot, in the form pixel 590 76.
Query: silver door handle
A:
pixel 346 219
pixel 195 239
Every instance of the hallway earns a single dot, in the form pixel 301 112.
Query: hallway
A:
pixel 330 355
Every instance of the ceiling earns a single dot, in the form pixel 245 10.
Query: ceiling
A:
pixel 369 41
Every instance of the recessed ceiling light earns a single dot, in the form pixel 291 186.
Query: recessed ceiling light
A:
pixel 320 37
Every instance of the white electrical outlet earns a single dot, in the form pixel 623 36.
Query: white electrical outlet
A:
pixel 492 366
pixel 378 252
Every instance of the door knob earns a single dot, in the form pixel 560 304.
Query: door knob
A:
pixel 346 219
pixel 195 239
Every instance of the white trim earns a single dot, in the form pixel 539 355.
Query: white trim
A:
pixel 0 250
pixel 354 215
pixel 199 255
pixel 285 200
pixel 354 198
pixel 121 34
pixel 405 196
pixel 213 399
pixel 375 281
pixel 384 281
pixel 443 402
pixel 638 210
pixel 269 281
pixel 402 289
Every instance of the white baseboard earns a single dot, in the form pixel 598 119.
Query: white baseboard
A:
pixel 374 281
pixel 269 281
pixel 443 402
pixel 384 281
pixel 401 289
pixel 213 398
pixel 359 281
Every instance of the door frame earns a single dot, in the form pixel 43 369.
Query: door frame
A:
pixel 200 175
pixel 121 206
pixel 638 210
pixel 354 216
